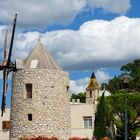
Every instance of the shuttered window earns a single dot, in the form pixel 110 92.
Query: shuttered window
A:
pixel 6 125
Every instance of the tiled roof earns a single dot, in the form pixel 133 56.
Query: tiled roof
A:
pixel 93 84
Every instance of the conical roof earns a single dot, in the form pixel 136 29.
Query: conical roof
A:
pixel 40 58
pixel 92 76
pixel 93 84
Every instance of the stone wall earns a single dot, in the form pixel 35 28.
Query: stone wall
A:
pixel 49 105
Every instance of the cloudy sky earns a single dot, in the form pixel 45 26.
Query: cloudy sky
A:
pixel 82 35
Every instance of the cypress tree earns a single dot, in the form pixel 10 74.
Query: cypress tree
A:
pixel 100 130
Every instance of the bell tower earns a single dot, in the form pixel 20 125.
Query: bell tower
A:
pixel 92 90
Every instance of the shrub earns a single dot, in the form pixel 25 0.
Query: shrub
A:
pixel 85 138
pixel 75 138
pixel 78 138
pixel 39 138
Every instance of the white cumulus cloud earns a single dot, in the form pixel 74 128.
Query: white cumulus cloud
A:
pixel 113 6
pixel 97 44
pixel 102 76
pixel 79 85
pixel 36 14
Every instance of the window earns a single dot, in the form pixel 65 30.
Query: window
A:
pixel 90 93
pixel 29 117
pixel 29 90
pixel 6 125
pixel 67 88
pixel 88 122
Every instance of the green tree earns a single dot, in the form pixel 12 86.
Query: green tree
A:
pixel 100 119
pixel 115 85
pixel 81 96
pixel 134 69
pixel 115 106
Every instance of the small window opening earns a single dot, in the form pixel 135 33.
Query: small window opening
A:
pixel 67 88
pixel 29 117
pixel 29 90
pixel 90 93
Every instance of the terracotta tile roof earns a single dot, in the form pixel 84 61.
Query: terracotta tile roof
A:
pixel 93 84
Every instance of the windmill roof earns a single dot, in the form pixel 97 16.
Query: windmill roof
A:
pixel 40 58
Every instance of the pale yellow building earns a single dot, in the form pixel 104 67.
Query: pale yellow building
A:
pixel 5 125
pixel 83 114
pixel 82 120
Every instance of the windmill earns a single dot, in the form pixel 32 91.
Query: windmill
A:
pixel 7 65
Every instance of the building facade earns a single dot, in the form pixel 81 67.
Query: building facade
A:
pixel 82 120
pixel 83 114
pixel 5 125
pixel 33 112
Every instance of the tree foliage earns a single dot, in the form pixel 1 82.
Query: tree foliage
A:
pixel 115 106
pixel 81 96
pixel 133 68
pixel 115 85
pixel 100 119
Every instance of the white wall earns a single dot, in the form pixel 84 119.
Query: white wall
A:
pixel 4 135
pixel 78 111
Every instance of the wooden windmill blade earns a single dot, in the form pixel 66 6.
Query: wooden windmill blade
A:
pixel 11 43
pixel 4 76
pixel 5 47
pixel 4 91
pixel 7 66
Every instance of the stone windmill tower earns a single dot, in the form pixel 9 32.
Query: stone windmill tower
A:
pixel 92 90
pixel 40 100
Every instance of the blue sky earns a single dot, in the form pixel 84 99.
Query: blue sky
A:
pixel 82 35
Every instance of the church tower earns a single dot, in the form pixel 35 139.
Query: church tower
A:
pixel 40 101
pixel 92 90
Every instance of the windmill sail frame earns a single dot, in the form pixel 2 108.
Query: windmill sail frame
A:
pixel 7 66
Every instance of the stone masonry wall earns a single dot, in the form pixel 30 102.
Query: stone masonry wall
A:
pixel 49 105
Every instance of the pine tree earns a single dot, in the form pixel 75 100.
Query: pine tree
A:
pixel 100 120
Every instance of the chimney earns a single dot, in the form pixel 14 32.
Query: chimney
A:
pixel 73 101
pixel 78 100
